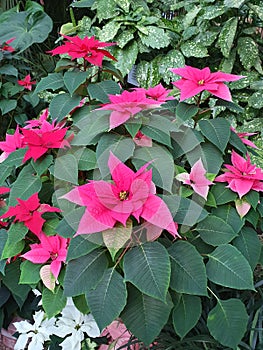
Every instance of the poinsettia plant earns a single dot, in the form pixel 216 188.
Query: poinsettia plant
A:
pixel 144 209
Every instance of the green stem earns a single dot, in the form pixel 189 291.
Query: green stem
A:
pixel 72 17
pixel 210 290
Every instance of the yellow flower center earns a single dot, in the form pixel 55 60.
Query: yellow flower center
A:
pixel 123 195
pixel 201 82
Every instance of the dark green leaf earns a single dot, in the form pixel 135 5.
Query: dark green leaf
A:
pixel 216 131
pixel 229 268
pixel 223 194
pixel 227 322
pixel 53 301
pixel 66 168
pixel 73 79
pixel 29 272
pixel 7 105
pixel 148 268
pixel 80 246
pixel 215 231
pixel 84 273
pixel 100 91
pixel 145 316
pixel 188 270
pixel 63 104
pixel 15 241
pixel 53 81
pixel 186 314
pixel 108 299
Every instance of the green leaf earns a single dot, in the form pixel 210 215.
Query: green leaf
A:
pixel 156 37
pixel 66 168
pixel 255 100
pixel 29 272
pixel 184 112
pixel 53 301
pixel 249 245
pixel 11 281
pixel 186 314
pixel 192 49
pixel 216 131
pixel 80 246
pixel 230 216
pixel 73 80
pixel 104 9
pixel 248 52
pixel 215 231
pixel 86 159
pixel 100 91
pixel 94 124
pixel 9 69
pixel 145 316
pixel 185 141
pixel 25 28
pixel 121 146
pixel 69 224
pixel 227 36
pixel 223 194
pixel 237 143
pixel 53 81
pixel 26 184
pixel 124 37
pixel 15 158
pixel 185 211
pixel 162 165
pixel 257 9
pixel 84 273
pixel 15 241
pixel 83 3
pixel 108 299
pixel 188 270
pixel 228 267
pixel 133 126
pixel 126 57
pixel 63 104
pixel 211 157
pixel 7 105
pixel 116 237
pixel 41 165
pixel 148 268
pixel 227 322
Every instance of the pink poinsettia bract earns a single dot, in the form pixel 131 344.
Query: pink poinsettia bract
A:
pixel 27 83
pixel 196 80
pixel 196 179
pixel 242 176
pixel 6 47
pixel 157 93
pixel 127 105
pixel 30 212
pixel 88 48
pixel 130 194
pixel 243 137
pixel 51 249
pixel 11 144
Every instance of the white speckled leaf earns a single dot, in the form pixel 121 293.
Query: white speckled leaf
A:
pixel 123 38
pixel 191 49
pixel 233 3
pixel 258 10
pixel 109 31
pixel 126 57
pixel 173 59
pixel 248 52
pixel 124 4
pixel 148 73
pixel 213 11
pixel 227 35
pixel 190 16
pixel 105 9
pixel 256 100
pixel 156 37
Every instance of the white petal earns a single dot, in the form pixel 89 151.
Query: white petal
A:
pixel 21 342
pixel 90 327
pixel 36 343
pixel 38 318
pixel 71 343
pixel 23 326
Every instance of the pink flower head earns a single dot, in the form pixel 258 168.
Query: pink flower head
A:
pixel 51 249
pixel 117 335
pixel 40 140
pixel 157 93
pixel 30 213
pixel 27 82
pixel 196 80
pixel 6 47
pixel 242 176
pixel 196 179
pixel 11 144
pixel 87 48
pixel 243 135
pixel 37 123
pixel 127 105
pixel 131 193
pixel 142 140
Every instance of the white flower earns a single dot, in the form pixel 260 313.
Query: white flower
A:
pixel 73 323
pixel 38 332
